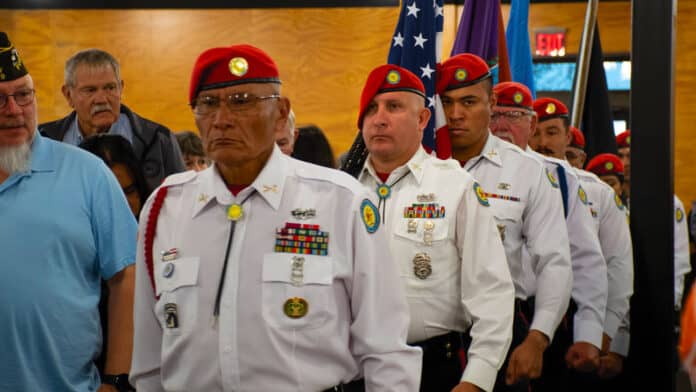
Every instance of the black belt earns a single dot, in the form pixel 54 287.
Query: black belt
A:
pixel 440 347
pixel 353 386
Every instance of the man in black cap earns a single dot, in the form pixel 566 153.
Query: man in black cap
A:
pixel 65 226
pixel 93 88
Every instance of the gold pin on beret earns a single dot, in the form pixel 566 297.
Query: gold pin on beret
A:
pixel 238 66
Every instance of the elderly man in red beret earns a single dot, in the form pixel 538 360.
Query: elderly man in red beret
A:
pixel 264 273
pixel 525 201
pixel 443 235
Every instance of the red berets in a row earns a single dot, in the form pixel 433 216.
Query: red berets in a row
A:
pixel 513 94
pixel 388 78
pixel 577 139
pixel 229 66
pixel 623 139
pixel 605 164
pixel 461 70
pixel 549 108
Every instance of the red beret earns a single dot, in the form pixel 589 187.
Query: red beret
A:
pixel 624 139
pixel 513 94
pixel 606 164
pixel 386 78
pixel 578 139
pixel 237 64
pixel 548 108
pixel 460 71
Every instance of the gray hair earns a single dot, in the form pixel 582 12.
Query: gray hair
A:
pixel 92 58
pixel 291 121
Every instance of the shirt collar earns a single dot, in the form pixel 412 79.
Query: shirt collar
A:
pixel 414 165
pixel 491 150
pixel 269 184
pixel 41 158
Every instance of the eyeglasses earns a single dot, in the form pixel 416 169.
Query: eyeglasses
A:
pixel 512 116
pixel 21 97
pixel 239 102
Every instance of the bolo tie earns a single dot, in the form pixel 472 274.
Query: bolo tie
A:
pixel 383 192
pixel 235 212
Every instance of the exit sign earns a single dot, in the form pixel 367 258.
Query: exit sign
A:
pixel 550 42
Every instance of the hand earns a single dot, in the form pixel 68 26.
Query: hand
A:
pixel 107 388
pixel 610 365
pixel 466 387
pixel 527 359
pixel 606 343
pixel 583 357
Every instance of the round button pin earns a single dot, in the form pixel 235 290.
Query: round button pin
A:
pixel 168 270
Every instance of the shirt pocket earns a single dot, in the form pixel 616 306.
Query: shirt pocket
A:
pixel 177 282
pixel 508 219
pixel 297 297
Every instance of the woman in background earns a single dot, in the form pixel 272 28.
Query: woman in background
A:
pixel 313 147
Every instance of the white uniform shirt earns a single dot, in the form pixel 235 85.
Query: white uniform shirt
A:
pixel 682 263
pixel 357 318
pixel 470 281
pixel 528 210
pixel 589 268
pixel 609 216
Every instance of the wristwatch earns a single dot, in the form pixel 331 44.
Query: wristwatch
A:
pixel 120 381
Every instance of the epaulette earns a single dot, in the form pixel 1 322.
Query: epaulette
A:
pixel 179 178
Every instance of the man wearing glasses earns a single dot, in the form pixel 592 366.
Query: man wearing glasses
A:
pixel 65 226
pixel 263 273
pixel 93 88
pixel 525 201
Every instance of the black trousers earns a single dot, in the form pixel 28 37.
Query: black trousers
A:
pixel 524 311
pixel 442 366
pixel 353 386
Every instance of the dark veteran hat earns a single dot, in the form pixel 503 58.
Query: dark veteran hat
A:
pixel 11 65
pixel 232 65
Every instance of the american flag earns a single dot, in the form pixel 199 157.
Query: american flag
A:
pixel 417 46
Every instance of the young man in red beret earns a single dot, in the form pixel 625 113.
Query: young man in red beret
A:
pixel 443 235
pixel 264 273
pixel 575 350
pixel 525 201
pixel 575 151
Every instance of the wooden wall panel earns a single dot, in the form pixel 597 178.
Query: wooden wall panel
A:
pixel 324 56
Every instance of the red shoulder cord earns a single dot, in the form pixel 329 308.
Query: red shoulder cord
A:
pixel 150 231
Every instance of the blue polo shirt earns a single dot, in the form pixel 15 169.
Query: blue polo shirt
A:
pixel 64 225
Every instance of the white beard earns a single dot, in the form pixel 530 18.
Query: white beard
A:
pixel 15 159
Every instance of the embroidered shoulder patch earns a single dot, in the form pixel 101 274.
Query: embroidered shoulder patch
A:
pixel 618 202
pixel 552 179
pixel 481 195
pixel 582 195
pixel 369 215
pixel 679 214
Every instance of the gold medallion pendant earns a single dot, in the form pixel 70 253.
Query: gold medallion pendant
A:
pixel 296 307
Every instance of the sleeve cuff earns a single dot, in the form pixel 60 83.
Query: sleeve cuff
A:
pixel 588 331
pixel 545 322
pixel 621 343
pixel 611 324
pixel 480 373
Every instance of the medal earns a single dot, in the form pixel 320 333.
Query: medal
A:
pixel 168 270
pixel 234 212
pixel 429 226
pixel 296 307
pixel 171 315
pixel 297 272
pixel 501 231
pixel 412 226
pixel 421 266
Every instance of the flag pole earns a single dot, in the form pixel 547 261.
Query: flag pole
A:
pixel 583 66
